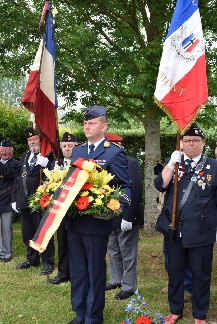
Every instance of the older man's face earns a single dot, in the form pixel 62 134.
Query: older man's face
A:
pixel 6 153
pixel 34 143
pixel 67 149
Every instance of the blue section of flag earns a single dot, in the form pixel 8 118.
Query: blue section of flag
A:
pixel 183 11
pixel 50 44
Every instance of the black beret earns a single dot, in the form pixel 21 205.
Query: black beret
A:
pixel 29 132
pixel 6 143
pixel 69 138
pixel 93 112
pixel 194 130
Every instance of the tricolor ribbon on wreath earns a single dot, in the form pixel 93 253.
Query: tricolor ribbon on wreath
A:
pixel 62 200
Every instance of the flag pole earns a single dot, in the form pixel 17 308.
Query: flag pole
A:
pixel 174 207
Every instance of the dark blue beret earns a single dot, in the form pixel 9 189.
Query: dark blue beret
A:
pixel 93 112
pixel 194 130
pixel 29 132
pixel 69 138
pixel 6 143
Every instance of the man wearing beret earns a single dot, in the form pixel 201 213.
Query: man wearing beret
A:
pixel 195 226
pixel 63 275
pixel 8 169
pixel 124 238
pixel 26 183
pixel 88 236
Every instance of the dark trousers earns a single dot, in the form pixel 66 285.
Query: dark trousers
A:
pixel 29 223
pixel 200 261
pixel 88 275
pixel 63 252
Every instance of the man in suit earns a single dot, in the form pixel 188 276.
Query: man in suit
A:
pixel 8 169
pixel 26 183
pixel 196 226
pixel 88 236
pixel 63 275
pixel 123 240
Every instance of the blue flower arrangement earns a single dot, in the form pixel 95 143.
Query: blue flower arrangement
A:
pixel 137 314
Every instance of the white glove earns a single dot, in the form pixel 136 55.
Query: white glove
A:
pixel 126 226
pixel 14 207
pixel 43 161
pixel 57 166
pixel 175 157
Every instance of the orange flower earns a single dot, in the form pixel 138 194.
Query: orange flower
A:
pixel 82 203
pixel 113 204
pixel 44 201
pixel 86 186
pixel 143 320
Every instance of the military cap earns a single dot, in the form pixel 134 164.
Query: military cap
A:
pixel 6 143
pixel 93 112
pixel 69 138
pixel 29 132
pixel 194 130
pixel 112 137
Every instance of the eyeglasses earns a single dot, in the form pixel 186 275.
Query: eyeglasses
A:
pixel 188 141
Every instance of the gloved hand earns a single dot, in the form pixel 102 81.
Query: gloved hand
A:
pixel 41 160
pixel 58 167
pixel 175 157
pixel 14 207
pixel 126 226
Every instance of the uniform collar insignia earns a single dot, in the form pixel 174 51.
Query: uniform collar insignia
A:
pixel 106 144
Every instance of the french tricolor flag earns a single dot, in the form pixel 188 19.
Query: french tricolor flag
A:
pixel 181 88
pixel 40 93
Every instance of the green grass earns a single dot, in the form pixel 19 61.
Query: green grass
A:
pixel 26 298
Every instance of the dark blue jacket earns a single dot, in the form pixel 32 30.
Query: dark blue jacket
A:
pixel 198 219
pixel 8 171
pixel 134 213
pixel 112 158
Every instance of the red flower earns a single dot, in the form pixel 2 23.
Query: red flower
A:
pixel 44 201
pixel 86 186
pixel 122 323
pixel 82 203
pixel 143 320
pixel 201 173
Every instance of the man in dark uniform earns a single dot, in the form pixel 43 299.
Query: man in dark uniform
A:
pixel 88 236
pixel 196 226
pixel 26 184
pixel 8 170
pixel 63 275
pixel 123 241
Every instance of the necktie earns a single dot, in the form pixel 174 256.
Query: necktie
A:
pixel 32 162
pixel 189 167
pixel 91 149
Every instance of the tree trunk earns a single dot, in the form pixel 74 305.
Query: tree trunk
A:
pixel 152 156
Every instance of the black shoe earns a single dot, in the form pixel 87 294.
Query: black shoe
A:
pixel 74 321
pixel 110 286
pixel 47 269
pixel 57 280
pixel 124 294
pixel 26 265
pixel 6 259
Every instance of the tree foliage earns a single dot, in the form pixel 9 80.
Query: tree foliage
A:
pixel 14 120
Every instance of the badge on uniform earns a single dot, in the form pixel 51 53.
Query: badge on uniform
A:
pixel 100 162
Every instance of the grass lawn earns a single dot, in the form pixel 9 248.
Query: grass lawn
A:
pixel 26 298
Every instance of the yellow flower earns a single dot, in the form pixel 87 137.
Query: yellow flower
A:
pixel 84 193
pixel 98 202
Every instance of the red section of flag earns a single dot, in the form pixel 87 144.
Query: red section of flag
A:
pixel 182 102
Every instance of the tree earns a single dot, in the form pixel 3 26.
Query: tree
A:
pixel 14 120
pixel 110 52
